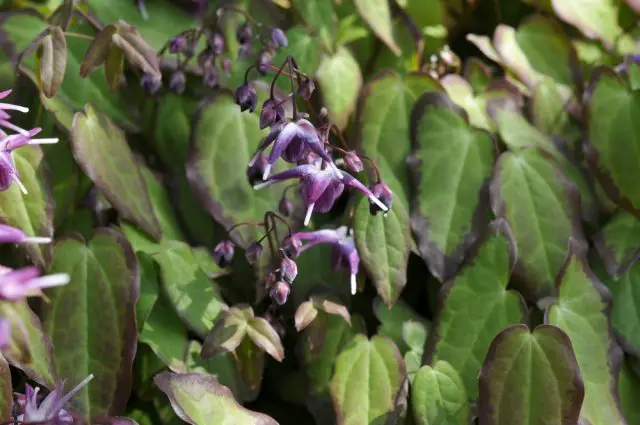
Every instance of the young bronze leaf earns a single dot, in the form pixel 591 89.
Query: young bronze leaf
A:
pixel 618 243
pixel 114 66
pixel 265 336
pixel 91 320
pixel 101 150
pixel 32 212
pixel 53 61
pixel 358 399
pixel 200 399
pixel 613 142
pixel 541 207
pixel 484 283
pixel 136 49
pixel 582 313
pixel 227 334
pixel 98 50
pixel 530 378
pixel 438 396
pixel 452 163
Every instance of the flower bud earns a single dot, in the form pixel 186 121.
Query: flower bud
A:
pixel 150 84
pixel 292 246
pixel 244 34
pixel 245 50
pixel 384 194
pixel 288 270
pixel 210 77
pixel 256 171
pixel 177 44
pixel 226 64
pixel 216 42
pixel 253 252
pixel 280 292
pixel 205 58
pixel 223 253
pixel 279 38
pixel 178 82
pixel 246 98
pixel 353 161
pixel 285 207
pixel 272 112
pixel 190 47
pixel 306 88
pixel 264 60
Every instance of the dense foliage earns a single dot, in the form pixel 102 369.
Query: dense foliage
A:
pixel 354 212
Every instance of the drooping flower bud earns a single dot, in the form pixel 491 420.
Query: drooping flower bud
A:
pixel 210 77
pixel 292 246
pixel 263 62
pixel 253 252
pixel 150 83
pixel 223 253
pixel 288 270
pixel 178 82
pixel 244 34
pixel 177 44
pixel 246 97
pixel 256 170
pixel 279 38
pixel 285 207
pixel 280 292
pixel 272 112
pixel 206 58
pixel 190 48
pixel 353 161
pixel 306 88
pixel 384 194
pixel 226 64
pixel 245 50
pixel 216 42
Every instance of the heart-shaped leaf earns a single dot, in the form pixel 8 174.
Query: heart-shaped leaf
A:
pixel 101 150
pixel 6 392
pixel 321 17
pixel 461 93
pixel 384 244
pixel 438 396
pixel 483 282
pixel 29 348
pixel 358 399
pixel 197 399
pixel 32 212
pixel 194 297
pixel 377 14
pixel 308 311
pixel 384 111
pixel 544 360
pixel 452 163
pixel 582 313
pixel 542 209
pixel 405 327
pixel 223 139
pixel 625 311
pixel 613 143
pixel 618 243
pixel 629 390
pixel 99 301
pixel 550 113
pixel 340 79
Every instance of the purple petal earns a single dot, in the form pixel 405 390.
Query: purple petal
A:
pixel 288 132
pixel 9 234
pixel 329 197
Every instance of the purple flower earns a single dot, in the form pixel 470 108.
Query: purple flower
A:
pixel 264 59
pixel 5 117
pixel 382 192
pixel 253 252
pixel 279 38
pixel 210 77
pixel 177 44
pixel 272 112
pixel 344 253
pixel 353 161
pixel 25 282
pixel 306 88
pixel 280 292
pixel 244 34
pixel 256 170
pixel 51 408
pixel 223 253
pixel 288 270
pixel 321 187
pixel 150 84
pixel 246 97
pixel 10 234
pixel 216 42
pixel 293 141
pixel 178 82
pixel 292 245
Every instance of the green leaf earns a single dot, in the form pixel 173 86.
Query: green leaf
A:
pixel 162 205
pixel 340 80
pixel 482 283
pixel 149 288
pixel 581 312
pixel 618 243
pixel 6 393
pixel 101 150
pixel 32 213
pixel 625 312
pixel 452 163
pixel 358 399
pixel 477 73
pixel 29 348
pixel 384 244
pixel 613 142
pixel 305 48
pixel 438 396
pixel 96 307
pixel 461 93
pixel 217 168
pixel 530 378
pixel 377 14
pixel 166 335
pixel 549 113
pixel 629 390
pixel 383 125
pixel 193 296
pixel 320 17
pixel 541 207
pixel 402 325
pixel 197 399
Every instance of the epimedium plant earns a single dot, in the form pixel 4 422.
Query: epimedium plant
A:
pixel 352 212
